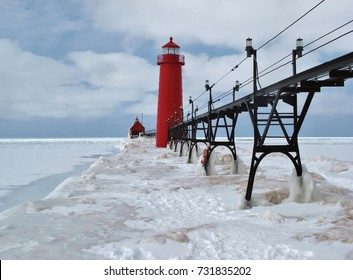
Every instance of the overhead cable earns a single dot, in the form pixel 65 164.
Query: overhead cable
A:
pixel 290 25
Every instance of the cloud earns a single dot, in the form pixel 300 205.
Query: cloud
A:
pixel 119 70
pixel 90 86
pixel 222 23
pixel 147 105
pixel 197 21
pixel 24 68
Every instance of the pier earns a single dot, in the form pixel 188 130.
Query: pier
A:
pixel 274 111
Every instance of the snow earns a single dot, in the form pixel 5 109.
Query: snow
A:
pixel 149 203
pixel 33 167
pixel 16 152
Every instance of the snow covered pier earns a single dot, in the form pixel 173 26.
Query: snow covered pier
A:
pixel 149 203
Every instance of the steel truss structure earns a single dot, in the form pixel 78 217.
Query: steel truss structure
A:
pixel 277 113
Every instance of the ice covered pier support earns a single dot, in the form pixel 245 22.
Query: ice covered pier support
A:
pixel 202 136
pixel 259 152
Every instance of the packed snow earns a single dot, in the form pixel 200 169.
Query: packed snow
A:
pixel 149 203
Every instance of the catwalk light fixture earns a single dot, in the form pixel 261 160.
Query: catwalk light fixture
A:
pixel 249 49
pixel 299 47
pixel 207 85
pixel 235 88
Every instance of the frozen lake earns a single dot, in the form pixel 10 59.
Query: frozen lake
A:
pixel 32 168
pixel 142 202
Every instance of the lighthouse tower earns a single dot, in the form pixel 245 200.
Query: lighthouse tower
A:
pixel 170 97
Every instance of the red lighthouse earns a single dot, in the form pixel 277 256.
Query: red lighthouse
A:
pixel 170 97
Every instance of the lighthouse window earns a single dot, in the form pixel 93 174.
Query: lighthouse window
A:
pixel 171 51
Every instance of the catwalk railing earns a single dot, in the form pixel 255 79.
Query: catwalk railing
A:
pixel 275 112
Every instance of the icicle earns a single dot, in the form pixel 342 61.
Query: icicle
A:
pixel 303 188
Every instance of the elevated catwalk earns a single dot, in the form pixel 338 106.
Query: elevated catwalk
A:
pixel 274 112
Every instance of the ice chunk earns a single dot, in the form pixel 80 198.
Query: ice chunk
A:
pixel 303 188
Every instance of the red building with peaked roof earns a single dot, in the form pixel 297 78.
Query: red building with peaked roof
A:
pixel 137 129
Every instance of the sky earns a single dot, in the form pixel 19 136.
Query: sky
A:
pixel 87 68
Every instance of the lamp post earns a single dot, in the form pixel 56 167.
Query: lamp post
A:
pixel 235 88
pixel 193 135
pixel 250 51
pixel 192 108
pixel 297 52
pixel 194 124
pixel 209 89
pixel 248 47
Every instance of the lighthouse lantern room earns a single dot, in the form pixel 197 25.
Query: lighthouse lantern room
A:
pixel 170 97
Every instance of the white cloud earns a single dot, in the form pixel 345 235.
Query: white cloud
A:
pixel 147 105
pixel 119 70
pixel 24 68
pixel 36 86
pixel 218 23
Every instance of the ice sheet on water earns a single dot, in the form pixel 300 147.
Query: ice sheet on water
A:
pixel 27 160
pixel 32 168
